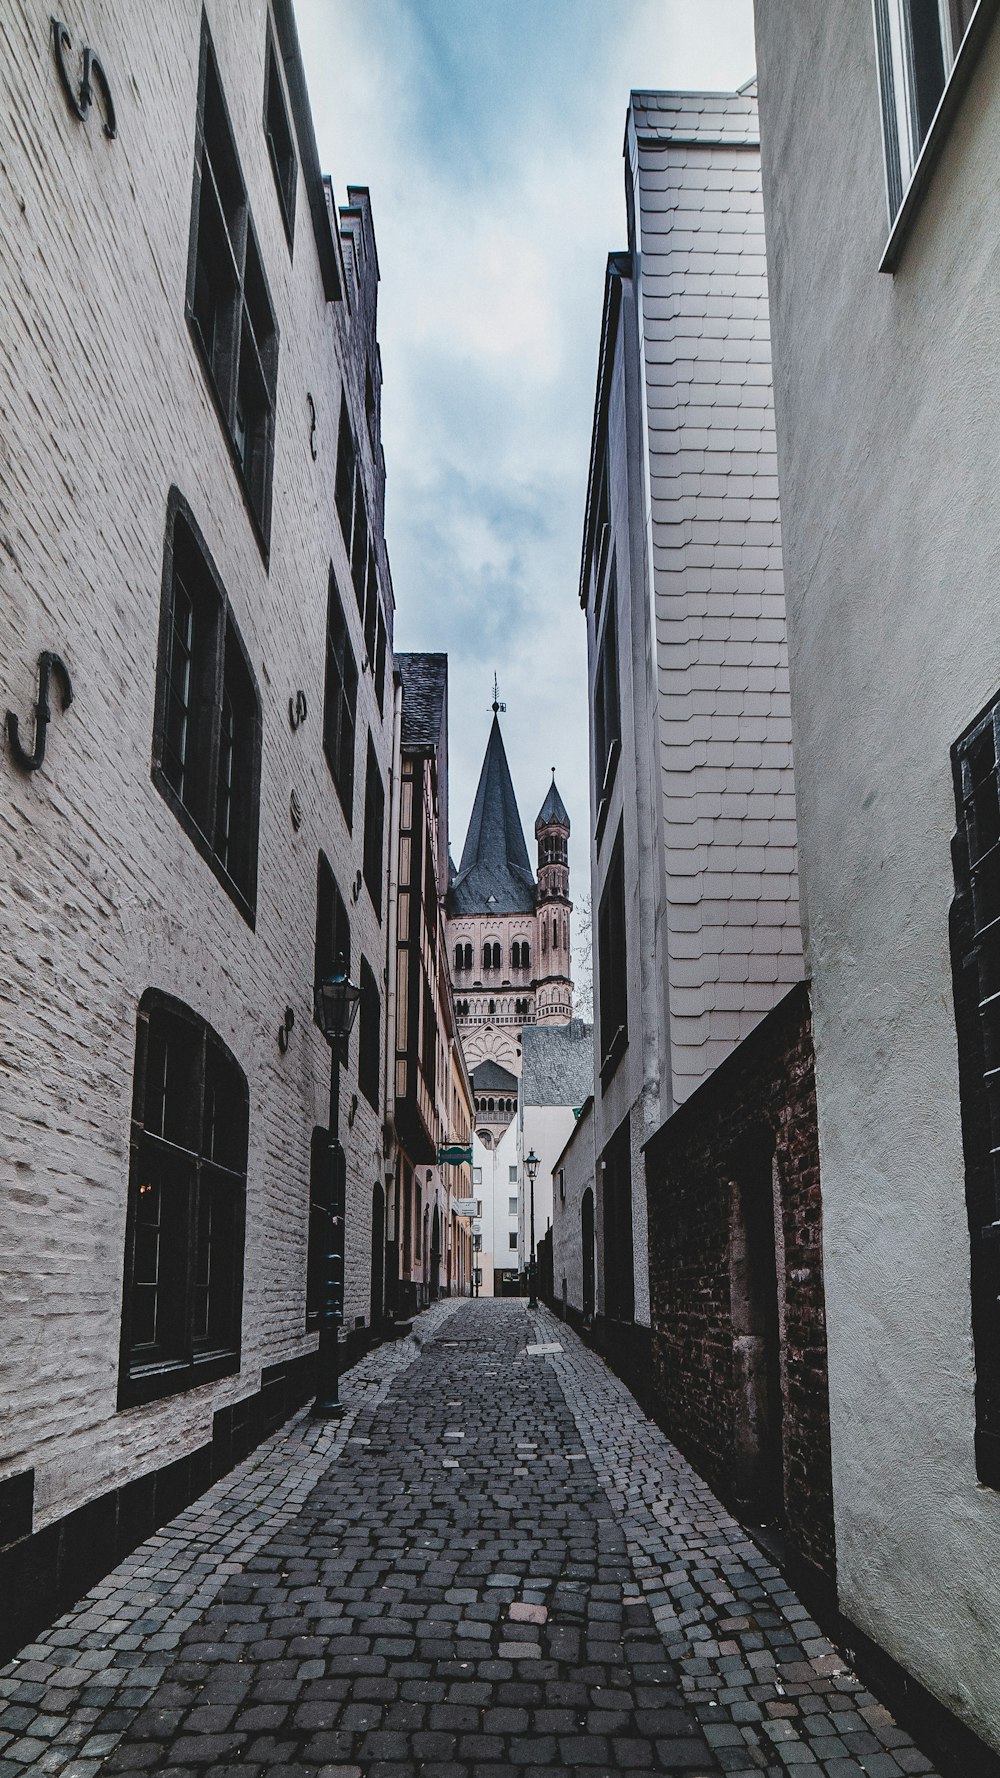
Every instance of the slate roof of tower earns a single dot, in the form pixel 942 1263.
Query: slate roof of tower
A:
pixel 494 875
pixel 552 809
pixel 490 1074
pixel 425 686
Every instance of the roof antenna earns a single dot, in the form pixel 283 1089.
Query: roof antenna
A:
pixel 497 706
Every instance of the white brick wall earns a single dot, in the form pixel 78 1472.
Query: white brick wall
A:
pixel 106 406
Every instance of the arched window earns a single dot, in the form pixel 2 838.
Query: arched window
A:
pixel 545 935
pixel 496 956
pixel 493 1008
pixel 183 1296
pixel 515 955
pixel 525 955
pixel 491 1105
pixel 555 933
pixel 459 956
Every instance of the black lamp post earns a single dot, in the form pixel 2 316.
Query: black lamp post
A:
pixel 336 1002
pixel 531 1168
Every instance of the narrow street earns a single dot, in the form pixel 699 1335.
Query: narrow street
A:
pixel 494 1564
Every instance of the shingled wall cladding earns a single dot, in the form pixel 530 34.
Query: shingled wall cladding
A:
pixel 763 1095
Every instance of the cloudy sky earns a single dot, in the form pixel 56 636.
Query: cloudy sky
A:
pixel 490 137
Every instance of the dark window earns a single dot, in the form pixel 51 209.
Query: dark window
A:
pixel 381 644
pixel 369 1035
pixel 228 303
pixel 183 1293
pixel 611 961
pixel 359 546
pixel 340 701
pixel 607 716
pixel 372 613
pixel 347 459
pixel 374 829
pixel 333 931
pixel 206 744
pixel 428 1047
pixel 616 1194
pixel 513 1240
pixel 975 938
pixel 279 141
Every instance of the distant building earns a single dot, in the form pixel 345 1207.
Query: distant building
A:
pixel 508 932
pixel 557 1077
pixel 495 1185
pixel 430 1247
pixel 879 130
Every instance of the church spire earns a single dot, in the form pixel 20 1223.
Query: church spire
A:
pixel 495 874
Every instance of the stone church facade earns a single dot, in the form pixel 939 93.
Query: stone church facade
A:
pixel 508 927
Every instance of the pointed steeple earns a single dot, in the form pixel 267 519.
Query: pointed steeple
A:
pixel 553 810
pixel 494 875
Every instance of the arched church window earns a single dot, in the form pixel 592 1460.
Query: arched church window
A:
pixel 459 955
pixel 525 955
pixel 468 957
pixel 493 1008
pixel 555 933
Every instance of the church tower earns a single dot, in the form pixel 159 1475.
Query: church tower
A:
pixel 554 986
pixel 508 934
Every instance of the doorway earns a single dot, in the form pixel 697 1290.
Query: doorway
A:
pixel 755 1260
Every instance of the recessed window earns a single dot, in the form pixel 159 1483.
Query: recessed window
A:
pixel 428 1041
pixel 228 303
pixel 374 829
pixel 512 1206
pixel 369 1035
pixel 347 459
pixel 918 41
pixel 340 701
pixel 612 964
pixel 333 933
pixel 279 140
pixel 381 645
pixel 183 1294
pixel 206 744
pixel 607 713
pixel 491 956
pixel 513 1240
pixel 975 938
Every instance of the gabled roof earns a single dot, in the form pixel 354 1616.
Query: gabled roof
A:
pixel 494 875
pixel 552 809
pixel 490 1074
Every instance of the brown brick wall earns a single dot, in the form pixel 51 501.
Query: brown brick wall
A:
pixel 761 1099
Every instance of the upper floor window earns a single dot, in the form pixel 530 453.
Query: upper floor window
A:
pixel 228 303
pixel 279 140
pixel 607 716
pixel 183 1295
pixel 491 956
pixel 206 744
pixel 918 41
pixel 347 461
pixel 374 828
pixel 612 964
pixel 369 1035
pixel 333 931
pixel 340 701
pixel 520 954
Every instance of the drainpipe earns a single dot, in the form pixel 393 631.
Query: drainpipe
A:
pixel 391 924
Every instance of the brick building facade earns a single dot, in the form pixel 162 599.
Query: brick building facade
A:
pixel 192 523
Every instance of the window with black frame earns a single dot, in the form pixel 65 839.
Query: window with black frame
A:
pixel 918 44
pixel 228 302
pixel 975 945
pixel 612 964
pixel 280 146
pixel 333 932
pixel 607 709
pixel 369 1035
pixel 207 726
pixel 374 829
pixel 183 1294
pixel 340 701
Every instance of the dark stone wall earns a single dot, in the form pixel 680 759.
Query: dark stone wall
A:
pixel 759 1103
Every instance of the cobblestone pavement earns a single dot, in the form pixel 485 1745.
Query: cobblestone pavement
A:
pixel 494 1565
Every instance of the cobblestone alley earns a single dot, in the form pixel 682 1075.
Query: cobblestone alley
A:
pixel 494 1565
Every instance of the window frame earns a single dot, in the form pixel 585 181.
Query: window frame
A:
pixel 911 147
pixel 342 763
pixel 273 82
pixel 327 946
pixel 612 962
pixel 164 1374
pixel 373 855
pixel 607 717
pixel 229 656
pixel 369 1035
pixel 255 478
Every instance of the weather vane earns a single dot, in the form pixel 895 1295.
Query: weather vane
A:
pixel 497 706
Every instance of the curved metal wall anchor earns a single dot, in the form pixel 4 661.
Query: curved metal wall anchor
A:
pixel 312 428
pixel 298 710
pixel 284 1029
pixel 48 663
pixel 94 77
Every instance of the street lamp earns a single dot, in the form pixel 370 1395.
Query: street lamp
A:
pixel 531 1168
pixel 336 1002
